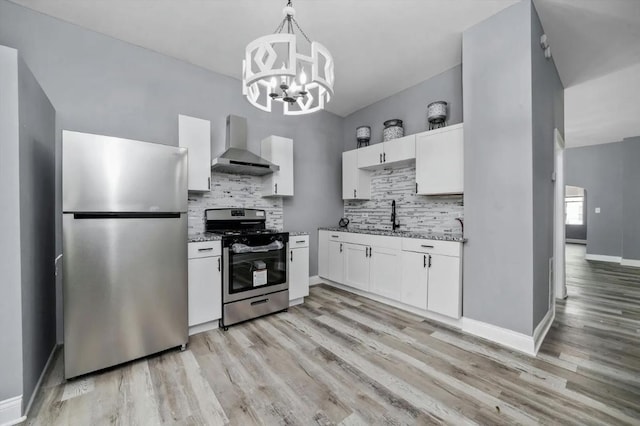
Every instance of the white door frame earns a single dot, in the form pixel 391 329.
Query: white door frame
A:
pixel 559 276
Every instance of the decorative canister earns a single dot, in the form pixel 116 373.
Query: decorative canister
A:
pixel 392 130
pixel 437 114
pixel 363 135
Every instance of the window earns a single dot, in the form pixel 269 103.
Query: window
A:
pixel 574 210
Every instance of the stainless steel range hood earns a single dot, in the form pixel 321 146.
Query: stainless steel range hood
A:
pixel 236 158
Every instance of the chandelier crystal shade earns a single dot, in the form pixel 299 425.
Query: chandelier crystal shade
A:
pixel 274 71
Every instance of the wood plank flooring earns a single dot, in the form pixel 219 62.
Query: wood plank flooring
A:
pixel 342 359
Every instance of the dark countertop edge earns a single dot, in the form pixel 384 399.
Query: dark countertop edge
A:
pixel 400 234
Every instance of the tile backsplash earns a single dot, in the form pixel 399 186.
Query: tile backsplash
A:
pixel 416 213
pixel 229 190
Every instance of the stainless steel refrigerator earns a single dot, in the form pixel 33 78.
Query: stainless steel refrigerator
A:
pixel 124 233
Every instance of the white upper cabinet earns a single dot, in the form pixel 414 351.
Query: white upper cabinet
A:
pixel 356 183
pixel 195 134
pixel 393 152
pixel 279 151
pixel 440 161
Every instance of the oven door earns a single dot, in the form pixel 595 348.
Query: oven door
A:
pixel 253 270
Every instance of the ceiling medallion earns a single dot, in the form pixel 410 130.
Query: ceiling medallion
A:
pixel 273 70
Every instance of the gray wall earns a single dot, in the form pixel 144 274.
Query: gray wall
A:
pixel 548 114
pixel 10 306
pixel 410 105
pixel 631 199
pixel 101 85
pixel 610 175
pixel 598 169
pixel 498 175
pixel 37 228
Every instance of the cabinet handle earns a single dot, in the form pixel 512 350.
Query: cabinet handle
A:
pixel 429 261
pixel 206 249
pixel 300 241
pixel 291 255
pixel 209 182
pixel 354 193
pixel 426 246
pixel 384 157
pixel 334 236
pixel 381 158
pixel 259 302
pixel 369 251
pixel 425 261
pixel 340 247
pixel 416 187
pixel 366 252
pixel 276 188
pixel 218 264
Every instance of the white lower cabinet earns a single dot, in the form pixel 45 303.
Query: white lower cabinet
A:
pixel 386 277
pixel 423 274
pixel 356 266
pixel 335 269
pixel 298 267
pixel 445 286
pixel 205 282
pixel 415 275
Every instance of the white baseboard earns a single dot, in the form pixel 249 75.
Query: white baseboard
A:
pixel 503 336
pixel 543 328
pixel 40 379
pixel 603 258
pixel 201 328
pixel 630 262
pixel 315 280
pixel 11 411
pixel 295 302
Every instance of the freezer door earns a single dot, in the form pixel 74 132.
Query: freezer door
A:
pixel 124 289
pixel 106 174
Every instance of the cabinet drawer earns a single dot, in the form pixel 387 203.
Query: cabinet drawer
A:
pixel 335 236
pixel 204 249
pixel 447 248
pixel 298 241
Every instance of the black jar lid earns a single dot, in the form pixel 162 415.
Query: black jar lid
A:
pixel 392 123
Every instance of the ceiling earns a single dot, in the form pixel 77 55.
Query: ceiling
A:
pixel 381 47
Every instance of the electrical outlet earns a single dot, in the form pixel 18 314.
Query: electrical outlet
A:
pixel 597 209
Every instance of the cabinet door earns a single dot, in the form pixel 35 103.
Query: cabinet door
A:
pixel 323 254
pixel 298 273
pixel 205 290
pixel 400 150
pixel 349 175
pixel 414 279
pixel 356 266
pixel 195 134
pixel 440 162
pixel 370 156
pixel 279 151
pixel 336 261
pixel 386 276
pixel 445 286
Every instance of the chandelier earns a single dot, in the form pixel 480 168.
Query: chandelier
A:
pixel 273 70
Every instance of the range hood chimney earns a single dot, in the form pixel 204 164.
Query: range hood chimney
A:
pixel 236 158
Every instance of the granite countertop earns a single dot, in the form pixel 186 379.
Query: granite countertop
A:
pixel 199 237
pixel 297 233
pixel 403 234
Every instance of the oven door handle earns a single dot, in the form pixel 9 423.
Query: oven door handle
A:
pixel 243 248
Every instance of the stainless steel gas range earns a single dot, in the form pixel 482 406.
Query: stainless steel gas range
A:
pixel 255 277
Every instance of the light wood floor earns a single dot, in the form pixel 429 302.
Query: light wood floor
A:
pixel 342 359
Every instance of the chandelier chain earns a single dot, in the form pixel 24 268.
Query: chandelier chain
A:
pixel 301 31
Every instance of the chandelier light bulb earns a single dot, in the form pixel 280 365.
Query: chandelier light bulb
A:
pixel 303 78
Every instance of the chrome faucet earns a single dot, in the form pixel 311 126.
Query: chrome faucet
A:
pixel 394 224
